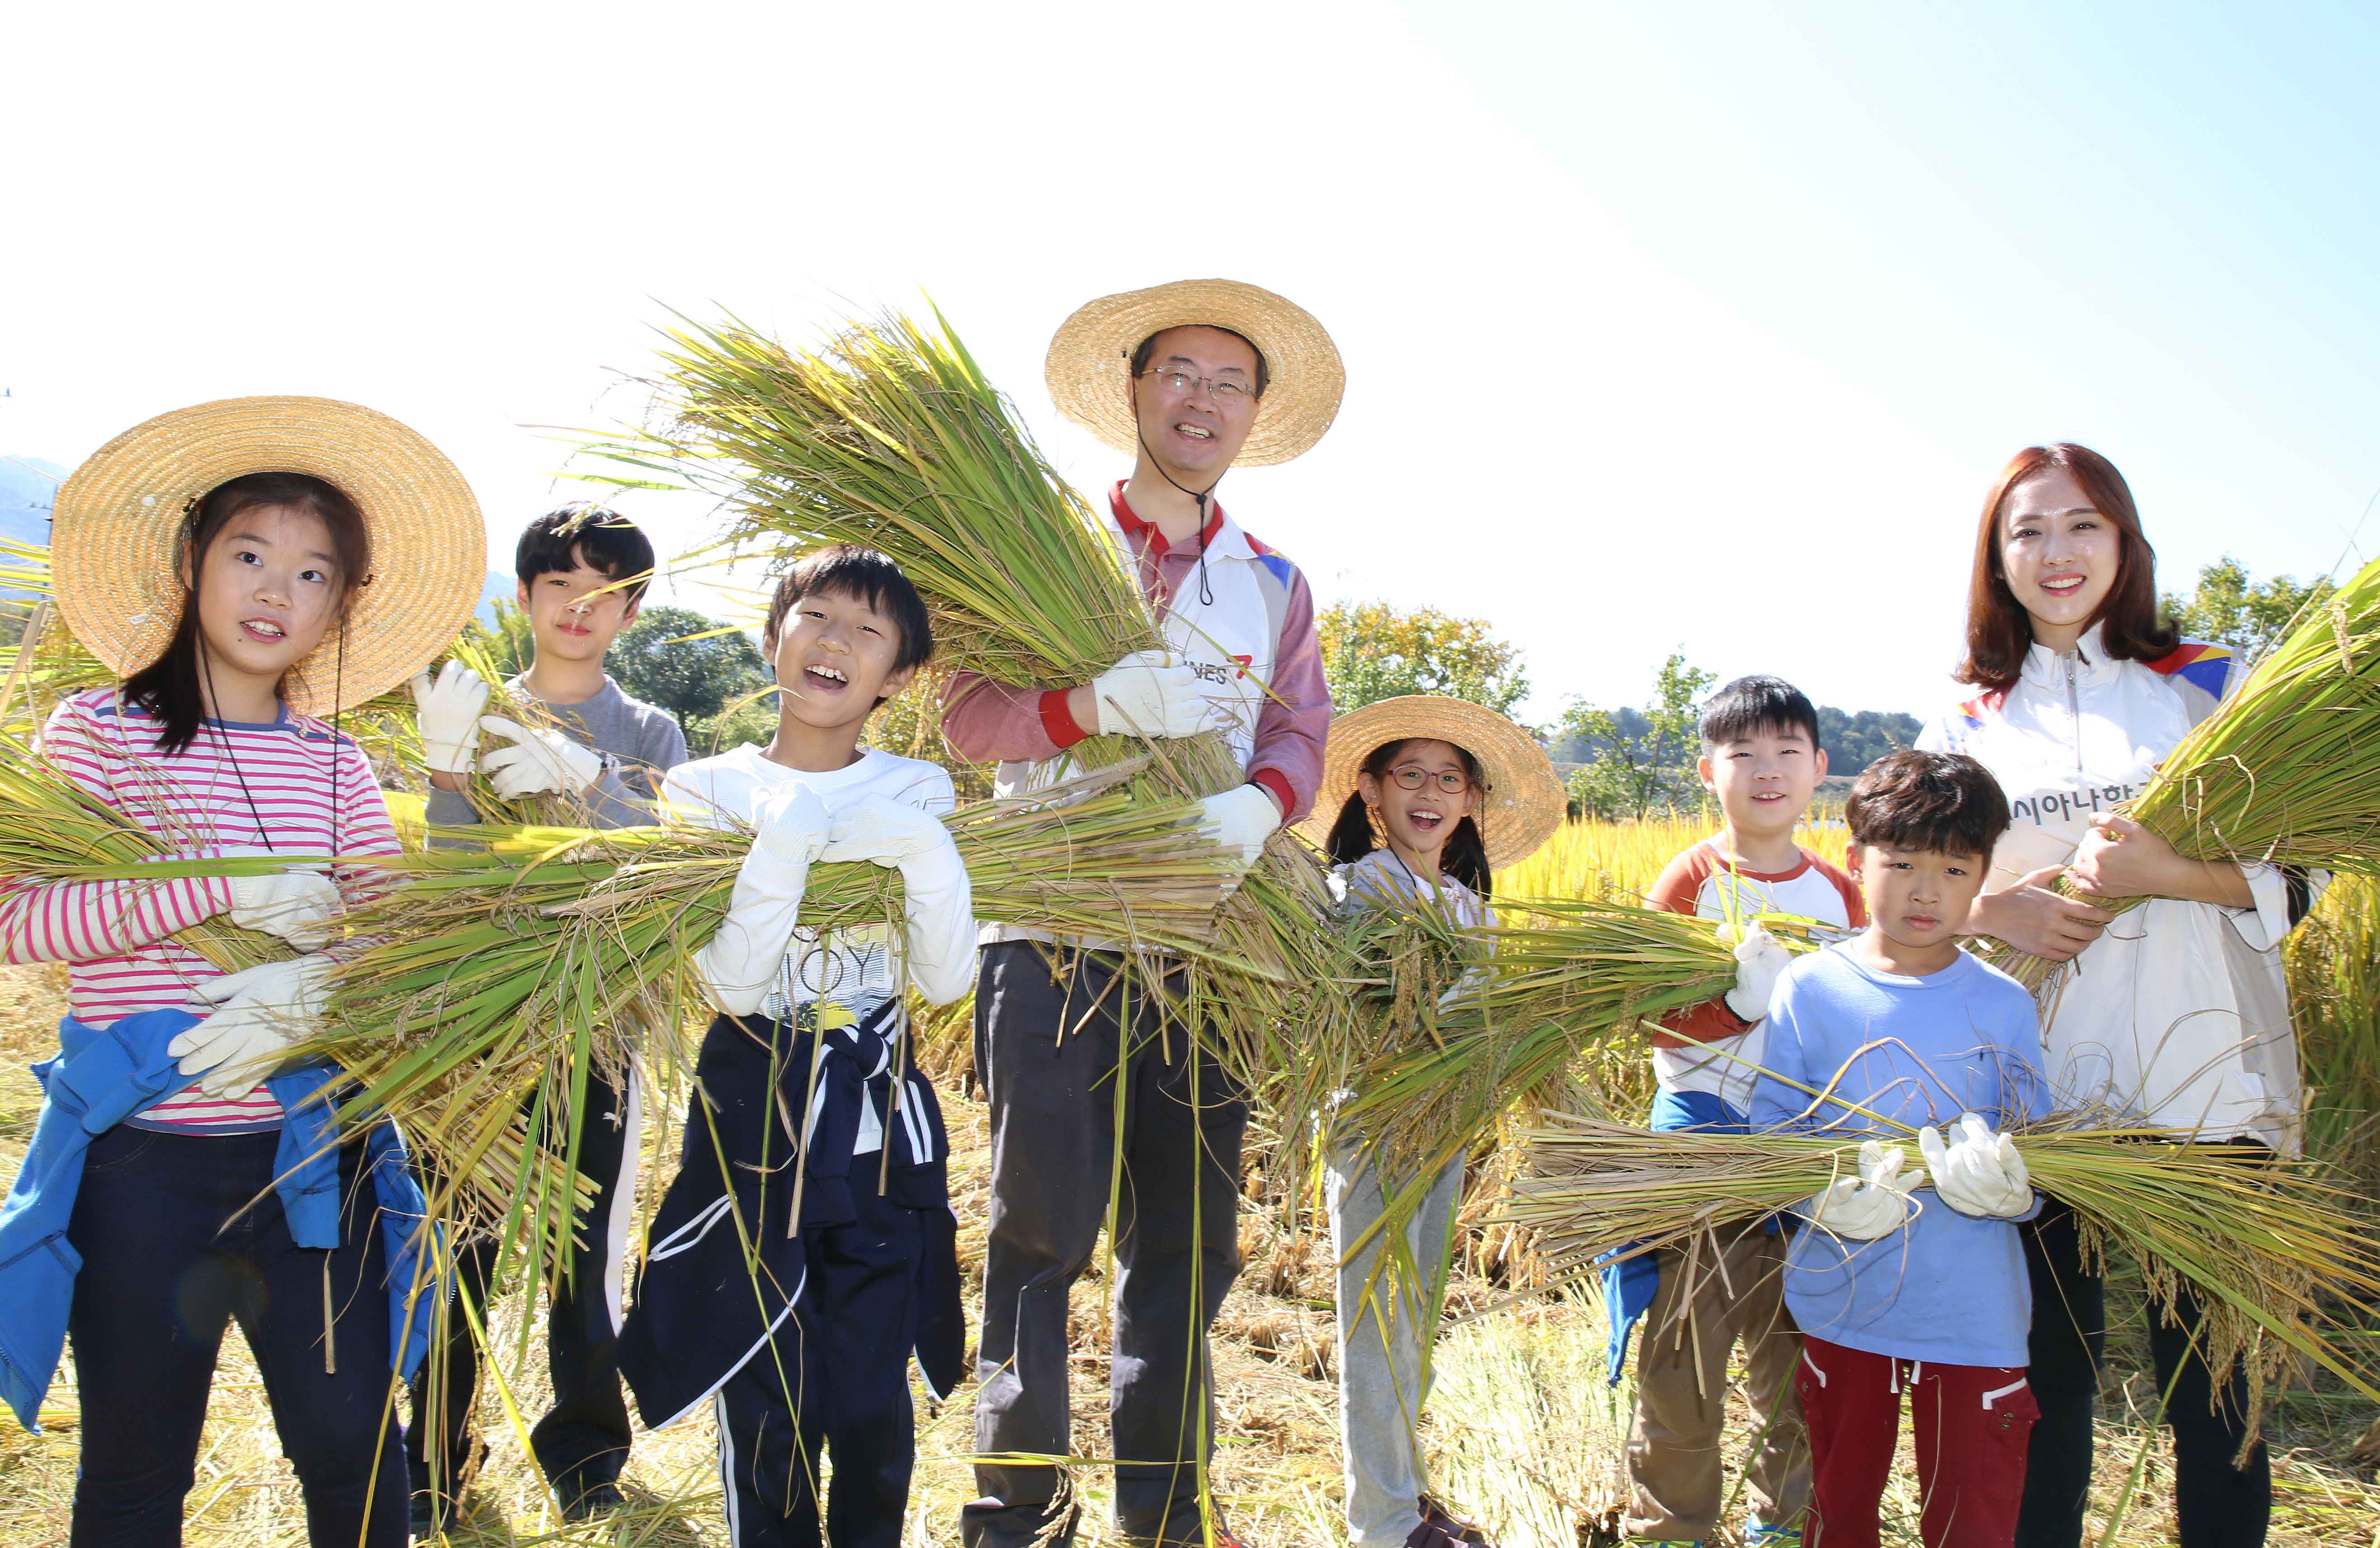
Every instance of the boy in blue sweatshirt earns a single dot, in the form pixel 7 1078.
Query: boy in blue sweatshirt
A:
pixel 1898 1280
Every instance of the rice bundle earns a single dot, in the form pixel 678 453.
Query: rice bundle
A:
pixel 1565 974
pixel 53 830
pixel 892 437
pixel 2269 1246
pixel 2287 771
pixel 509 969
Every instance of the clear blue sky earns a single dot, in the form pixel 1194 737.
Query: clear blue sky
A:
pixel 1700 326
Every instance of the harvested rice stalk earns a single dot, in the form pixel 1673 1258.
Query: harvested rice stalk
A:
pixel 890 436
pixel 2269 1245
pixel 2287 771
pixel 53 830
pixel 1561 976
pixel 519 963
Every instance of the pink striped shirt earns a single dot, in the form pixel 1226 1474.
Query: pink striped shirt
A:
pixel 312 791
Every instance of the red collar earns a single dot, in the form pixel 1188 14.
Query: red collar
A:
pixel 1151 539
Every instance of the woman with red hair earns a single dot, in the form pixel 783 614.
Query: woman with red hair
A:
pixel 2175 1014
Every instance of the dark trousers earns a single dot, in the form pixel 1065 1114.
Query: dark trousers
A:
pixel 2218 1505
pixel 1051 1051
pixel 181 1234
pixel 833 1382
pixel 582 1442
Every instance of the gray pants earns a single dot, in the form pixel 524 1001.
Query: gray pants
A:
pixel 1051 1051
pixel 1382 1374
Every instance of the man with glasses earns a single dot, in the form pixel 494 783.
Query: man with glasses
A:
pixel 1191 378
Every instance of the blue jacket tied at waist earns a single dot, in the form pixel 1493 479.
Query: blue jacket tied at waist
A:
pixel 104 1075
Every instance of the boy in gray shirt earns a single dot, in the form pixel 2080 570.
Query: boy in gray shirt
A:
pixel 583 570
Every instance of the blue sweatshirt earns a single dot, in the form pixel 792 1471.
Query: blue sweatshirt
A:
pixel 1947 1286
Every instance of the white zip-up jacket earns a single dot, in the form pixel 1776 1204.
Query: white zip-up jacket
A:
pixel 2178 1015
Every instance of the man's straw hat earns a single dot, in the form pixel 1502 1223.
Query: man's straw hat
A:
pixel 1517 811
pixel 1090 362
pixel 116 534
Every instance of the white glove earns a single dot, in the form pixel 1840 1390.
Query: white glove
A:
pixel 540 762
pixel 1875 1203
pixel 1760 961
pixel 1240 819
pixel 447 714
pixel 295 905
pixel 740 962
pixel 880 828
pixel 790 824
pixel 1979 1173
pixel 261 1010
pixel 1150 693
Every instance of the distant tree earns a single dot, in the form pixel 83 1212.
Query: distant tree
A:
pixel 1637 762
pixel 692 666
pixel 1371 651
pixel 1855 739
pixel 2229 608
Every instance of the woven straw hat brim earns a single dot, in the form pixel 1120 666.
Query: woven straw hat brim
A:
pixel 1524 803
pixel 116 534
pixel 1090 362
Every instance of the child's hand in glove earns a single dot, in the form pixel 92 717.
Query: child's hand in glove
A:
pixel 295 905
pixel 1760 961
pixel 880 828
pixel 540 762
pixel 1979 1173
pixel 789 823
pixel 261 1010
pixel 446 712
pixel 1874 1203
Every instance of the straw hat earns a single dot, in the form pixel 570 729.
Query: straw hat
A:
pixel 1523 804
pixel 116 536
pixel 1090 362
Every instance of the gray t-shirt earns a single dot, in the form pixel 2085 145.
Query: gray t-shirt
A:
pixel 639 743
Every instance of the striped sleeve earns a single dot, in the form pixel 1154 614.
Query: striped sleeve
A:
pixel 89 921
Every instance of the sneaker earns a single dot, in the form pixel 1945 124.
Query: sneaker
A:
pixel 1765 1534
pixel 1434 1514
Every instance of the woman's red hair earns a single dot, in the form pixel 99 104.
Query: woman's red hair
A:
pixel 1999 629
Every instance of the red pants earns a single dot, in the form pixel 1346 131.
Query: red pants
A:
pixel 1972 1422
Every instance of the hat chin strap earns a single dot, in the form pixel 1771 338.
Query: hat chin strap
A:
pixel 1206 592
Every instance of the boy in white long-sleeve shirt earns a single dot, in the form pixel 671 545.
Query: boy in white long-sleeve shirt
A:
pixel 807 1247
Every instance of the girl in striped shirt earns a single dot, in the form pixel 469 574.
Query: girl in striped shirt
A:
pixel 206 1192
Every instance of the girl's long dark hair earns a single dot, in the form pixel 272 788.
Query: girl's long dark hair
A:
pixel 169 687
pixel 2000 630
pixel 1466 855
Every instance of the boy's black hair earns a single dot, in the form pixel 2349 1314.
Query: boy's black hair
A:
pixel 1943 802
pixel 1466 855
pixel 585 532
pixel 1751 705
pixel 848 570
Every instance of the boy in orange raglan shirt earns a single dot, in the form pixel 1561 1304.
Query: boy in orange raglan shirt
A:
pixel 1760 758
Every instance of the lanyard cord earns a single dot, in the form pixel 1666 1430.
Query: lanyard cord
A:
pixel 1206 592
pixel 231 756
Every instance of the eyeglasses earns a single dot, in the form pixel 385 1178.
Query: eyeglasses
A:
pixel 1229 392
pixel 1412 775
